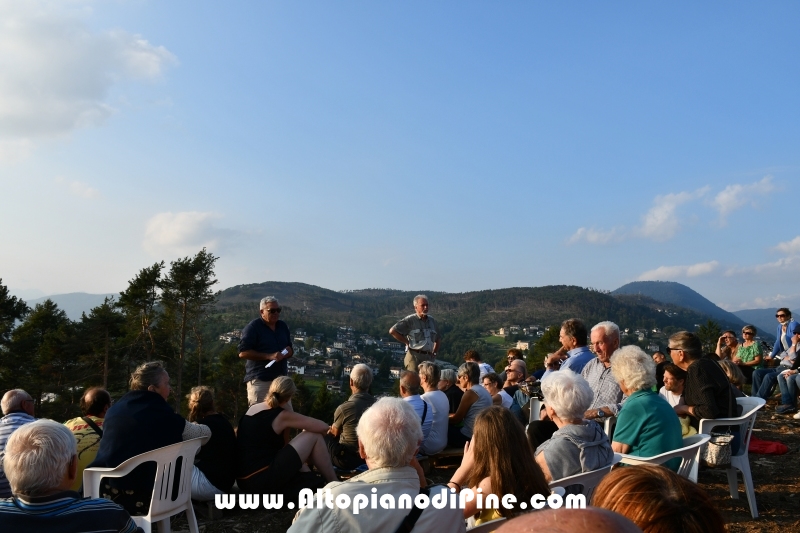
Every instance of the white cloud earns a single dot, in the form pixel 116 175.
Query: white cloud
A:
pixel 736 196
pixel 661 222
pixel 186 233
pixel 79 188
pixel 772 271
pixel 683 271
pixel 57 72
pixel 789 247
pixel 596 236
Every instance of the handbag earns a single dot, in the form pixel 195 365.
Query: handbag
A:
pixel 717 452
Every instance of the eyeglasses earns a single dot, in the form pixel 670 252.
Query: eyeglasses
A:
pixel 274 310
pixel 748 333
pixel 670 348
pixel 780 315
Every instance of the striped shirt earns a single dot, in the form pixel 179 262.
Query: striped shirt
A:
pixel 606 389
pixel 64 512
pixel 8 425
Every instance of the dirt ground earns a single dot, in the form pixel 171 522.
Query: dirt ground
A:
pixel 776 479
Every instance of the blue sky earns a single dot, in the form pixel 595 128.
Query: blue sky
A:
pixel 422 146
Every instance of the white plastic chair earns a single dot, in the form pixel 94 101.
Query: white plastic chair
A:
pixel 740 459
pixel 687 453
pixel 487 527
pixel 161 504
pixel 587 480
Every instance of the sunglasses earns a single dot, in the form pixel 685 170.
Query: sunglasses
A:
pixel 781 315
pixel 748 333
pixel 274 310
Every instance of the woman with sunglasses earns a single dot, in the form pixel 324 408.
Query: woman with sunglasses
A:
pixel 749 354
pixel 783 335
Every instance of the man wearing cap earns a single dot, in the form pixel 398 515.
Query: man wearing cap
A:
pixel 418 332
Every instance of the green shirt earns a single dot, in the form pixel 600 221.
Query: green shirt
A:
pixel 748 353
pixel 649 425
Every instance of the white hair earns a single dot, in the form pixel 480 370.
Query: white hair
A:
pixel 268 300
pixel 390 432
pixel 567 393
pixel 12 400
pixel 609 328
pixel 522 368
pixel 361 376
pixel 635 368
pixel 37 456
pixel 419 297
pixel 448 374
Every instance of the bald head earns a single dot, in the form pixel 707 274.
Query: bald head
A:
pixel 95 401
pixel 409 384
pixel 569 521
pixel 17 401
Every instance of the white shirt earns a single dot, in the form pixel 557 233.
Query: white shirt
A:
pixel 437 438
pixel 673 399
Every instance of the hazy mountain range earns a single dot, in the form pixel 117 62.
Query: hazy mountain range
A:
pixel 551 303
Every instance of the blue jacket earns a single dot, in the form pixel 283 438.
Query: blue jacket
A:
pixel 778 348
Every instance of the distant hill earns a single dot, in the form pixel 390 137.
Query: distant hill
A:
pixel 375 310
pixel 670 292
pixel 73 303
pixel 763 319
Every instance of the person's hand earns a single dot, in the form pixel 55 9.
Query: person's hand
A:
pixel 469 458
pixel 786 372
pixel 681 410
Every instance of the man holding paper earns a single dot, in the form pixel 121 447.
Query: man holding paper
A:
pixel 266 345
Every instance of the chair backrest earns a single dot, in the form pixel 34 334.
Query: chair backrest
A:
pixel 688 453
pixel 750 406
pixel 171 491
pixel 587 480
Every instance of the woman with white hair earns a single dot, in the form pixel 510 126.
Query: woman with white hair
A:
pixel 578 445
pixel 646 425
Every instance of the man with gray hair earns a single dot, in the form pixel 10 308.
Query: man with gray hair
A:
pixel 41 463
pixel 388 438
pixel 418 333
pixel 342 440
pixel 266 345
pixel 17 406
pixel 608 397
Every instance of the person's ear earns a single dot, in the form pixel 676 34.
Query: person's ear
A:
pixel 72 468
pixel 361 452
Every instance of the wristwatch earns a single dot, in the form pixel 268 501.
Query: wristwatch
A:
pixel 600 413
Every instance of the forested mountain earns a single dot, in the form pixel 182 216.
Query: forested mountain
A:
pixel 670 292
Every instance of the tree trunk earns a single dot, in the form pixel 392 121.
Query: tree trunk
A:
pixel 181 354
pixel 105 364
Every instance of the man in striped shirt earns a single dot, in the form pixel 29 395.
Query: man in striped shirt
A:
pixel 17 406
pixel 41 462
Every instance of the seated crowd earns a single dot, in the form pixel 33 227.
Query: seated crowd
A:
pixel 379 442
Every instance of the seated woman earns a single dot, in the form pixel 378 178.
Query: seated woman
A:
pixel 498 461
pixel 578 445
pixel 749 354
pixel 474 400
pixel 447 384
pixel 657 500
pixel 492 383
pixel 266 463
pixel 217 459
pixel 734 375
pixel 646 425
pixel 141 421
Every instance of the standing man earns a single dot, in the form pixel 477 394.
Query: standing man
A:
pixel 266 345
pixel 419 334
pixel 17 406
pixel 88 429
